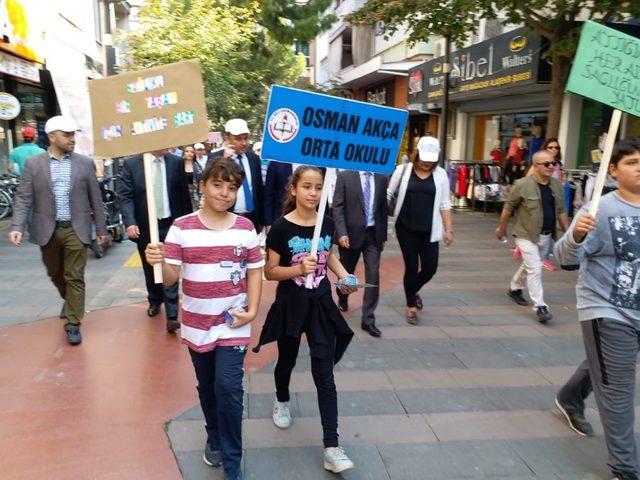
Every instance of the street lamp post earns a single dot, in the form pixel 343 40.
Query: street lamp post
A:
pixel 444 119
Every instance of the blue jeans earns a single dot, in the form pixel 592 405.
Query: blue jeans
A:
pixel 219 373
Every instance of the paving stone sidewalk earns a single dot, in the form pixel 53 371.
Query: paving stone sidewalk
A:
pixel 468 393
pixel 28 294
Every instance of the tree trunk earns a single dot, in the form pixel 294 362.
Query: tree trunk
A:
pixel 561 66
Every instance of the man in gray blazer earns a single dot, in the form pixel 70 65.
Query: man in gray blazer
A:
pixel 61 190
pixel 360 217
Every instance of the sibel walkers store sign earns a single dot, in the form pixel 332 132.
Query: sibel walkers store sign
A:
pixel 508 60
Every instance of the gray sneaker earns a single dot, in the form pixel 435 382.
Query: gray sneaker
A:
pixel 576 421
pixel 336 461
pixel 281 414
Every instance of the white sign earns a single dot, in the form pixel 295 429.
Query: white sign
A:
pixel 18 67
pixel 9 106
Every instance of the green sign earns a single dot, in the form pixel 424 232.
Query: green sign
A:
pixel 606 68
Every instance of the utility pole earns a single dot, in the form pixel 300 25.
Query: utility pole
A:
pixel 444 118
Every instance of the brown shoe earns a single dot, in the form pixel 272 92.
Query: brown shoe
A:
pixel 412 317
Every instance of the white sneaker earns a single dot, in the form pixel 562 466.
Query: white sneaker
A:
pixel 281 414
pixel 336 461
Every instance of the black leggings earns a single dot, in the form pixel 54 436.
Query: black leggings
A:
pixel 416 246
pixel 322 371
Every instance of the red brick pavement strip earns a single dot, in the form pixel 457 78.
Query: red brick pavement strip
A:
pixel 98 410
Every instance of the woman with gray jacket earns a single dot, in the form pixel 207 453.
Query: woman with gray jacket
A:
pixel 423 218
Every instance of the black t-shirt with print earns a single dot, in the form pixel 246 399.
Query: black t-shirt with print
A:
pixel 293 242
pixel 548 208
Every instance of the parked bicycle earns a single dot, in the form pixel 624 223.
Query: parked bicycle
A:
pixel 8 187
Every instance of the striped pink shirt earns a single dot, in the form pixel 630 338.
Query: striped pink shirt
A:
pixel 214 267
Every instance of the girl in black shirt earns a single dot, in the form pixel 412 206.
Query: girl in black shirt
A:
pixel 297 309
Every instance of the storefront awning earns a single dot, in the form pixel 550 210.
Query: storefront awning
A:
pixel 375 71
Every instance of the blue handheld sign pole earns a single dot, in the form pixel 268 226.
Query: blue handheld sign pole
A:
pixel 324 131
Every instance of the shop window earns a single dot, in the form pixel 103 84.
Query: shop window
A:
pixel 493 131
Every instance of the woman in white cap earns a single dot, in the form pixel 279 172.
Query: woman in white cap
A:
pixel 423 218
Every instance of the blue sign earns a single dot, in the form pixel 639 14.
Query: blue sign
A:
pixel 315 129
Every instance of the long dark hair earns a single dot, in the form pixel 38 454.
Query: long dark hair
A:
pixel 553 140
pixel 289 204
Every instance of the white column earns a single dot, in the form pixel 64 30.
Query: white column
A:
pixel 569 133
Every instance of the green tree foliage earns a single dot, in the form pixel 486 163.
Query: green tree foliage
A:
pixel 240 59
pixel 292 21
pixel 554 20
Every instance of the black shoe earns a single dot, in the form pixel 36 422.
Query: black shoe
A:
pixel 625 476
pixel 371 330
pixel 172 325
pixel 73 335
pixel 576 421
pixel 516 296
pixel 543 314
pixel 62 314
pixel 212 457
pixel 153 310
pixel 343 305
pixel 419 304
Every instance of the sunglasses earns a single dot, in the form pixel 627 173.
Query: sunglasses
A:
pixel 547 164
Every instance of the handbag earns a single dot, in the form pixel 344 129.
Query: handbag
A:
pixel 391 203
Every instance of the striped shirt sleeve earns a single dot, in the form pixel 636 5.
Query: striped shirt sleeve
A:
pixel 255 259
pixel 173 246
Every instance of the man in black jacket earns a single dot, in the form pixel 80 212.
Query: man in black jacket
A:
pixel 172 201
pixel 360 217
pixel 250 201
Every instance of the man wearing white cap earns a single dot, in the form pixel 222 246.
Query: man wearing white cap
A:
pixel 201 155
pixel 250 203
pixel 60 188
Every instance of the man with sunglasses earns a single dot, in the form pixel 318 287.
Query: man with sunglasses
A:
pixel 537 203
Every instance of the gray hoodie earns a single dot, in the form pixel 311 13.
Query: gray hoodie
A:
pixel 609 259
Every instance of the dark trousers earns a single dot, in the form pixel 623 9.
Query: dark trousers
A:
pixel 349 258
pixel 65 257
pixel 156 293
pixel 610 369
pixel 322 371
pixel 219 373
pixel 416 247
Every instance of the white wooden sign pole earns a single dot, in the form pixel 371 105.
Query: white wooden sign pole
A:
pixel 329 177
pixel 604 163
pixel 151 210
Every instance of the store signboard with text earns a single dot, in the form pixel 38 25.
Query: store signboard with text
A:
pixel 152 109
pixel 315 129
pixel 606 68
pixel 511 59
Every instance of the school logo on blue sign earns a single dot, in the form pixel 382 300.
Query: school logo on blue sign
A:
pixel 316 129
pixel 283 125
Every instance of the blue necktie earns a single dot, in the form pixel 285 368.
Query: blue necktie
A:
pixel 248 198
pixel 367 196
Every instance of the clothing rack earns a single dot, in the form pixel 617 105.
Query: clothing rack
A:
pixel 477 179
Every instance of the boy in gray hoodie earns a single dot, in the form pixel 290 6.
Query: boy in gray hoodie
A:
pixel 607 249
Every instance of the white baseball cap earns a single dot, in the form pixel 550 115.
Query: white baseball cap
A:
pixel 429 149
pixel 62 123
pixel 198 146
pixel 236 126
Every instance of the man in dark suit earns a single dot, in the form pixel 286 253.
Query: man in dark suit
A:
pixel 250 200
pixel 172 201
pixel 60 188
pixel 360 217
pixel 275 189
